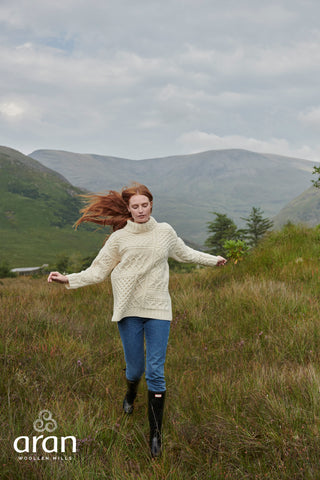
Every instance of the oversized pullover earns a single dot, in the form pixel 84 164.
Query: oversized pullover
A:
pixel 137 255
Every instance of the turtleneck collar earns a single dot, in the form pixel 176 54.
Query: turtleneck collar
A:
pixel 135 227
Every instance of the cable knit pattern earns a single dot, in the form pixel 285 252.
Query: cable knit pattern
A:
pixel 137 255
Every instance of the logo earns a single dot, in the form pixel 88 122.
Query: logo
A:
pixel 37 445
pixel 45 422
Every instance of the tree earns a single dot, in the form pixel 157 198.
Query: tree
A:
pixel 316 171
pixel 257 226
pixel 222 229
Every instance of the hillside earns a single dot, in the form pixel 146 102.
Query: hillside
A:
pixel 37 210
pixel 242 374
pixel 188 187
pixel 303 209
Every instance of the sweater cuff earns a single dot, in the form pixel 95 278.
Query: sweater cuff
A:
pixel 73 282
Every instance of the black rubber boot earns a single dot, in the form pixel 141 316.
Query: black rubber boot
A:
pixel 130 396
pixel 155 414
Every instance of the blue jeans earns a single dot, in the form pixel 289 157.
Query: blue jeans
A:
pixel 156 332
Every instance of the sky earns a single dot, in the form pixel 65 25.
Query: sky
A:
pixel 148 78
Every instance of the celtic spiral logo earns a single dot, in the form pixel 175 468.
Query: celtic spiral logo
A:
pixel 45 422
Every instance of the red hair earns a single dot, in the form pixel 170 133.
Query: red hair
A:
pixel 111 209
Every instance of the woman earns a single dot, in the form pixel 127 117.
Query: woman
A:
pixel 137 254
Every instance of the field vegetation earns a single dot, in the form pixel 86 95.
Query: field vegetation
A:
pixel 243 373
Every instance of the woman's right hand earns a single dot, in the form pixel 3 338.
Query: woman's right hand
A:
pixel 57 277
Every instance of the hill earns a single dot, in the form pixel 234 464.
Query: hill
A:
pixel 303 209
pixel 188 187
pixel 37 210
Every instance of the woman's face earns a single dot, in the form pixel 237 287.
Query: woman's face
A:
pixel 140 208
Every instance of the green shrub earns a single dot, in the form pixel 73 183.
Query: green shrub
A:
pixel 235 250
pixel 5 270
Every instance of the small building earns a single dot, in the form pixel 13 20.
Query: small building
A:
pixel 29 270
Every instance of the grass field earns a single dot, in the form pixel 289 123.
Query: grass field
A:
pixel 243 374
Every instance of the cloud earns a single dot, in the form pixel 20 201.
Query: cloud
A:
pixel 245 61
pixel 148 78
pixel 311 118
pixel 11 109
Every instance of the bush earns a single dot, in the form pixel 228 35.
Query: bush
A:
pixel 235 249
pixel 5 270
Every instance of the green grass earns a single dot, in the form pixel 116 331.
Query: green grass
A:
pixel 46 245
pixel 37 210
pixel 243 373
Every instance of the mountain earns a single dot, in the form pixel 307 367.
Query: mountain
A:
pixel 303 209
pixel 188 187
pixel 37 210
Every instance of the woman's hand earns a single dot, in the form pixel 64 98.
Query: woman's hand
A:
pixel 221 261
pixel 57 277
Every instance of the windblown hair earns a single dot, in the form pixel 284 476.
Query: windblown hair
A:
pixel 111 209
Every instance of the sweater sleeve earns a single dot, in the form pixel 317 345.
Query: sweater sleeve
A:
pixel 100 268
pixel 182 253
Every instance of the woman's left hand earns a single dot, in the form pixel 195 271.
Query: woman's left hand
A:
pixel 221 261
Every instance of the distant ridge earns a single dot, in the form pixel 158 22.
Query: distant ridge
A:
pixel 188 187
pixel 304 209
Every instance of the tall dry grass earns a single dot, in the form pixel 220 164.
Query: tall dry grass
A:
pixel 242 371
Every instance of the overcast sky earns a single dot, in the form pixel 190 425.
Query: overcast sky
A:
pixel 150 78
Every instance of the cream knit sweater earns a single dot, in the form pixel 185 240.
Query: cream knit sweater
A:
pixel 137 255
